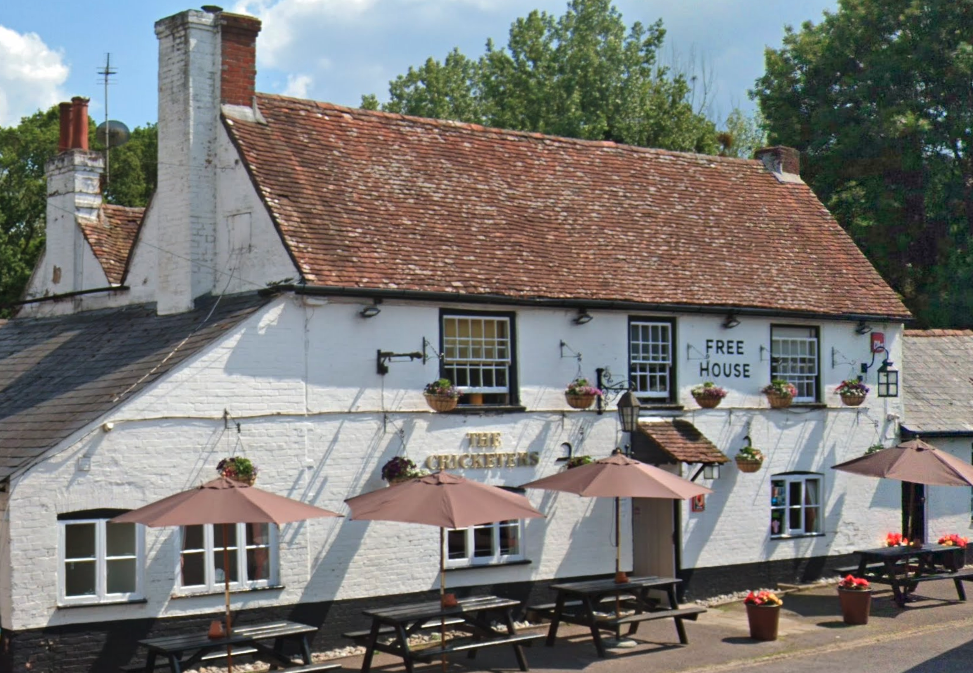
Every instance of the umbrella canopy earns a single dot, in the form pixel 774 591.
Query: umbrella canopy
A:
pixel 914 461
pixel 620 477
pixel 222 501
pixel 441 499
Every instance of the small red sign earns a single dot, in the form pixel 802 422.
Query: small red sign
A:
pixel 878 342
pixel 699 503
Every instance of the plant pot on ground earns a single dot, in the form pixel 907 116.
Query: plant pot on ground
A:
pixel 855 595
pixel 763 614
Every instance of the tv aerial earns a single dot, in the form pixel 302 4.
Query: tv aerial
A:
pixel 110 133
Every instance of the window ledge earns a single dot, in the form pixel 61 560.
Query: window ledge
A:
pixel 796 537
pixel 808 405
pixel 661 406
pixel 196 594
pixel 487 409
pixel 100 604
pixel 480 566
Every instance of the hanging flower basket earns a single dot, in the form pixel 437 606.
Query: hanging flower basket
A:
pixel 779 393
pixel 749 459
pixel 852 392
pixel 441 395
pixel 708 395
pixel 852 400
pixel 238 469
pixel 580 394
pixel 399 469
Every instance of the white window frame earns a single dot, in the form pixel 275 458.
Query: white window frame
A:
pixel 786 506
pixel 211 583
pixel 101 594
pixel 656 364
pixel 795 356
pixel 473 348
pixel 495 557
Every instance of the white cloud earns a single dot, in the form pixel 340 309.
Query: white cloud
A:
pixel 297 86
pixel 31 75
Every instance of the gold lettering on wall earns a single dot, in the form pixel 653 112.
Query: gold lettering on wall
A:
pixel 482 461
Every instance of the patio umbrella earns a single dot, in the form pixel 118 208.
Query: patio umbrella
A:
pixel 444 500
pixel 223 501
pixel 620 477
pixel 913 461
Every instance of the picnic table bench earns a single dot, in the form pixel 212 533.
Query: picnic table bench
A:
pixel 576 603
pixel 184 651
pixel 904 568
pixel 471 615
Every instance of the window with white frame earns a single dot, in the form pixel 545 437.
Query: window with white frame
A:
pixel 250 549
pixel 478 357
pixel 795 504
pixel 100 562
pixel 794 355
pixel 500 542
pixel 650 359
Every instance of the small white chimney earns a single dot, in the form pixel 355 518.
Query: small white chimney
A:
pixel 204 57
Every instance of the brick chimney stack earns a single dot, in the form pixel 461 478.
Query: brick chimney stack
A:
pixel 783 162
pixel 238 58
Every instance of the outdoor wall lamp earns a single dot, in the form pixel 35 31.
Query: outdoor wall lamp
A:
pixel 730 322
pixel 711 471
pixel 371 311
pixel 863 327
pixel 583 317
pixel 628 412
pixel 888 380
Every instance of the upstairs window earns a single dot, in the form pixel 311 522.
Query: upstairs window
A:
pixel 100 562
pixel 650 359
pixel 795 504
pixel 794 355
pixel 478 357
pixel 251 549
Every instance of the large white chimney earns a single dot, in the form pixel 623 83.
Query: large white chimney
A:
pixel 205 58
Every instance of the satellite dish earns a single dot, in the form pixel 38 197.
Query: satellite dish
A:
pixel 112 133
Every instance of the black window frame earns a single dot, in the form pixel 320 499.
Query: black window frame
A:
pixel 672 374
pixel 513 389
pixel 817 376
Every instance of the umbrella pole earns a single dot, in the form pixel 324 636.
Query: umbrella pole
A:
pixel 442 594
pixel 226 587
pixel 618 562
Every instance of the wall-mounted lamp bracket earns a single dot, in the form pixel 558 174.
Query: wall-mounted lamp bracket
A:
pixel 835 361
pixel 690 349
pixel 427 345
pixel 385 357
pixel 571 352
pixel 606 384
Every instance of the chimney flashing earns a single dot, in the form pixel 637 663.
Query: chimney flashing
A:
pixel 783 162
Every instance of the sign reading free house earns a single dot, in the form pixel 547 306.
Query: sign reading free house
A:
pixel 486 460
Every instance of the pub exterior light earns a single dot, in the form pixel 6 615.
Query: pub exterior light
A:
pixel 628 411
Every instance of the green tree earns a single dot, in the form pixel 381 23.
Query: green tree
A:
pixel 742 134
pixel 582 75
pixel 879 98
pixel 24 151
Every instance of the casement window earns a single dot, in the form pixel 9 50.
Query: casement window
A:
pixel 478 356
pixel 795 504
pixel 651 364
pixel 99 562
pixel 500 542
pixel 794 355
pixel 251 549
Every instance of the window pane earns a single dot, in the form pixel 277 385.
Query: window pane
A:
pixel 456 544
pixel 79 578
pixel 192 538
pixel 121 576
pixel 218 557
pixel 811 491
pixel 778 493
pixel 193 573
pixel 811 520
pixel 257 534
pixel 79 540
pixel 483 541
pixel 794 519
pixel 219 530
pixel 258 564
pixel 794 495
pixel 510 538
pixel 777 522
pixel 120 539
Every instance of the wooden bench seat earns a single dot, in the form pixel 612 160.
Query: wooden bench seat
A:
pixel 388 630
pixel 851 570
pixel 691 613
pixel 469 646
pixel 160 662
pixel 546 610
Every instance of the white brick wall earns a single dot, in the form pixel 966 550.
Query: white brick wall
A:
pixel 320 422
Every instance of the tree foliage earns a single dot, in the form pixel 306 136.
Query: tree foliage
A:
pixel 879 98
pixel 24 151
pixel 582 75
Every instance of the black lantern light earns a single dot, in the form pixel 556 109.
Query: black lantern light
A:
pixel 628 411
pixel 888 380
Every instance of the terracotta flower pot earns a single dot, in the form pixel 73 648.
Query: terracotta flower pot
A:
pixel 852 400
pixel 449 601
pixel 955 558
pixel 249 481
pixel 708 402
pixel 855 605
pixel 748 465
pixel 779 401
pixel 579 401
pixel 441 402
pixel 763 621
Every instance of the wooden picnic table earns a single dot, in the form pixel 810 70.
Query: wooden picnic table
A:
pixel 904 567
pixel 472 615
pixel 180 652
pixel 577 602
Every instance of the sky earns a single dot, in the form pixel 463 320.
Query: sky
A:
pixel 337 50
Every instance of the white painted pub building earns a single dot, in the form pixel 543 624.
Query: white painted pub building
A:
pixel 301 273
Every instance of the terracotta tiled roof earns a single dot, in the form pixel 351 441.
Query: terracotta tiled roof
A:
pixel 937 384
pixel 111 237
pixel 375 200
pixel 675 441
pixel 61 374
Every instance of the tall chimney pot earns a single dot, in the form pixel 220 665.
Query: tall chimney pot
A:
pixel 79 123
pixel 64 139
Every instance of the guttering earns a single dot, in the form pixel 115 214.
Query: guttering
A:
pixel 454 297
pixel 66 295
pixel 943 434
